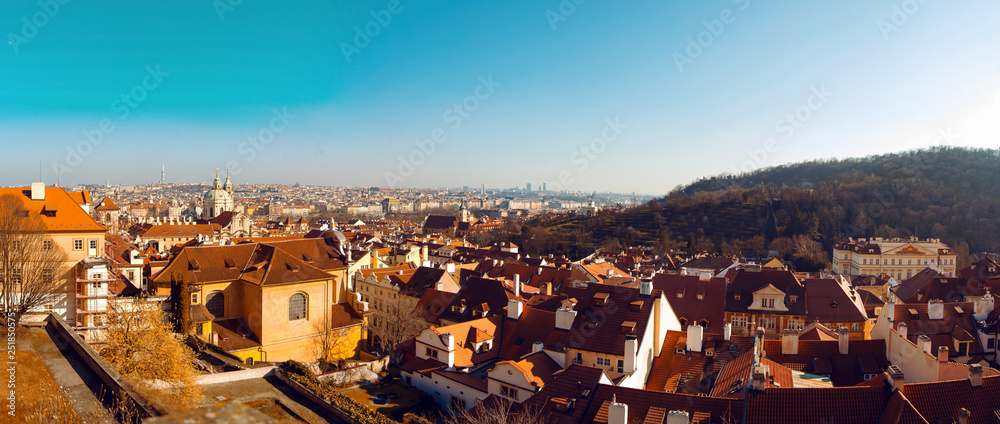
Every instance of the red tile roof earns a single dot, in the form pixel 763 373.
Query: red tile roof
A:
pixel 67 215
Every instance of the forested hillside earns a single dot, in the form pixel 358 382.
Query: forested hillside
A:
pixel 802 209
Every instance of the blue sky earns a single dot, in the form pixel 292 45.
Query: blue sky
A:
pixel 599 95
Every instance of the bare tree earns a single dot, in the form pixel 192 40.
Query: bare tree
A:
pixel 32 266
pixel 139 345
pixel 333 344
pixel 395 320
pixel 501 411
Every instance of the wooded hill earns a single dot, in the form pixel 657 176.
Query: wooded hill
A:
pixel 948 193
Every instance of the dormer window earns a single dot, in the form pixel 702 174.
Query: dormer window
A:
pixel 600 299
pixel 767 302
pixel 793 298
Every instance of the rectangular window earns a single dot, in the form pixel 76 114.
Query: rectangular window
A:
pixel 47 276
pixel 432 353
pixel 767 323
pixel 795 324
pixel 508 392
pixel 194 298
pixel 200 329
pixel 46 244
pixel 991 344
pixel 854 326
pixel 603 362
pixel 93 244
pixel 77 244
pixel 47 308
pixel 621 366
pixel 15 275
pixel 739 321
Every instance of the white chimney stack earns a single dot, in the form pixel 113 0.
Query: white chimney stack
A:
pixel 942 354
pixel 924 343
pixel 517 285
pixel 789 342
pixel 976 375
pixel 902 330
pixel 844 340
pixel 631 351
pixel 565 318
pixel 450 267
pixel 935 309
pixel 537 346
pixel 727 331
pixel 694 335
pixel 678 417
pixel 617 412
pixel 37 191
pixel 515 308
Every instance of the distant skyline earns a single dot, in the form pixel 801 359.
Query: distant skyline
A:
pixel 595 96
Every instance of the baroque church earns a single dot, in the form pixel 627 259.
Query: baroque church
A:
pixel 219 199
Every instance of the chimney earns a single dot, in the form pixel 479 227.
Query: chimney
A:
pixel 517 285
pixel 645 288
pixel 426 264
pixel 976 375
pixel 537 346
pixel 727 331
pixel 631 351
pixel 37 191
pixel 924 343
pixel 963 416
pixel 844 340
pixel 895 375
pixel 450 267
pixel 901 329
pixel 759 377
pixel 617 412
pixel 694 335
pixel 890 311
pixel 565 318
pixel 424 253
pixel 942 354
pixel 448 341
pixel 789 342
pixel 548 288
pixel 678 417
pixel 935 309
pixel 514 309
pixel 704 276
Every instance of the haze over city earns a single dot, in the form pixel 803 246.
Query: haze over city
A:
pixel 518 91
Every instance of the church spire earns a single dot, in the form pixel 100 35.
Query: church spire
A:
pixel 229 186
pixel 218 182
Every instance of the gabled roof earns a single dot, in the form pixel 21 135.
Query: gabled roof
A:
pixel 940 401
pixel 745 283
pixel 863 357
pixel 604 336
pixel 68 216
pixel 440 222
pixel 256 263
pixel 107 204
pixel 818 405
pixel 478 291
pixel 700 300
pixel 829 301
pixel 538 368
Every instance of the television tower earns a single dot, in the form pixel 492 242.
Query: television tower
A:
pixel 163 172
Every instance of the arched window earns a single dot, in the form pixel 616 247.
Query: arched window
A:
pixel 215 302
pixel 297 307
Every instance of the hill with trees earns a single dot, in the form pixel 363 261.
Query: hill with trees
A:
pixel 801 209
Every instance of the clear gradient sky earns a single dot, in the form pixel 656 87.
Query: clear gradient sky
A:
pixel 864 77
